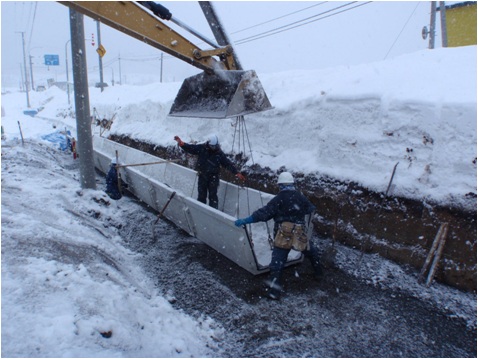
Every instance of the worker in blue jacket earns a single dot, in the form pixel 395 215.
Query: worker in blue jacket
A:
pixel 288 209
pixel 112 186
pixel 210 160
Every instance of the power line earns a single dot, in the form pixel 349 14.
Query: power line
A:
pixel 299 23
pixel 293 23
pixel 277 18
pixel 32 24
pixel 142 59
pixel 396 39
pixel 146 58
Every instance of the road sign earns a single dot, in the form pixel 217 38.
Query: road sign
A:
pixel 101 51
pixel 52 60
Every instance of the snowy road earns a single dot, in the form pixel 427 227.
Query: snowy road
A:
pixel 338 317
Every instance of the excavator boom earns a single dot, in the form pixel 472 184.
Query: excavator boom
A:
pixel 123 16
pixel 211 94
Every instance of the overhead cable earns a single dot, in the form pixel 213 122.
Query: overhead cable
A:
pixel 32 25
pixel 403 28
pixel 299 23
pixel 277 18
pixel 294 23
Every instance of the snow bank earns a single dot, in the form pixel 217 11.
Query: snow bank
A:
pixel 70 288
pixel 349 123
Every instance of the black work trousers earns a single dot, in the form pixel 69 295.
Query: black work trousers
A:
pixel 207 188
pixel 279 258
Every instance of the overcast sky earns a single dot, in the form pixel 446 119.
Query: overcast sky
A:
pixel 325 34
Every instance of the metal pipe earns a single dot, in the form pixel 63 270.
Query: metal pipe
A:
pixel 194 32
pixel 218 29
pixel 163 13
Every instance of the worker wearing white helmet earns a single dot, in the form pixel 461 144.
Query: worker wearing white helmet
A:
pixel 210 160
pixel 288 209
pixel 212 140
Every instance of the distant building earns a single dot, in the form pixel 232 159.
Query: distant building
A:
pixel 461 24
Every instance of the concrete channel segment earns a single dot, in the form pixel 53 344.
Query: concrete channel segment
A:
pixel 153 180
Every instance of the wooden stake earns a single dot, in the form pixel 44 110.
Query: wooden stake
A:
pixel 438 254
pixel 165 206
pixel 431 253
pixel 162 211
pixel 21 134
pixel 391 179
pixel 366 242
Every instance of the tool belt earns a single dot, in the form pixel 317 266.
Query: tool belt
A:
pixel 291 236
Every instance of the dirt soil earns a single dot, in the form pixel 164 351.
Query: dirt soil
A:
pixel 340 316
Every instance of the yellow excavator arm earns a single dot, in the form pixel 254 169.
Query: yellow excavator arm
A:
pixel 222 91
pixel 132 19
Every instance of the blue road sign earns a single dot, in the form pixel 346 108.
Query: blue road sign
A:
pixel 52 60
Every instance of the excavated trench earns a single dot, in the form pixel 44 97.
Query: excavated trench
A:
pixel 398 229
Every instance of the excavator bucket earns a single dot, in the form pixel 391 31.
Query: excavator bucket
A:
pixel 223 94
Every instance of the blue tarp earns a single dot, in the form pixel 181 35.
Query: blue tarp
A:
pixel 31 113
pixel 63 141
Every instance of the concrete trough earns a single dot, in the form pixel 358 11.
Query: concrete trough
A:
pixel 153 184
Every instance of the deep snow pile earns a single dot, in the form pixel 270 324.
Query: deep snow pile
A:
pixel 69 286
pixel 348 123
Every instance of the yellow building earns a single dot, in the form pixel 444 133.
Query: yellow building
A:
pixel 461 24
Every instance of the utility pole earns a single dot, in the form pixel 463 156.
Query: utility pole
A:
pixel 31 72
pixel 25 69
pixel 119 62
pixel 99 56
pixel 444 36
pixel 22 82
pixel 67 75
pixel 161 73
pixel 82 101
pixel 433 20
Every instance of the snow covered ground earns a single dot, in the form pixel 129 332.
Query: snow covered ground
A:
pixel 67 277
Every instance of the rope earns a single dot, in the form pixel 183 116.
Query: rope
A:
pixel 240 129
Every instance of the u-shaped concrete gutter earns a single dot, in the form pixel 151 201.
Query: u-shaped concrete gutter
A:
pixel 153 184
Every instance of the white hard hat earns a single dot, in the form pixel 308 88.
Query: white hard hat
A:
pixel 212 140
pixel 113 161
pixel 284 178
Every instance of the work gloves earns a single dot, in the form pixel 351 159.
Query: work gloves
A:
pixel 243 221
pixel 241 176
pixel 179 141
